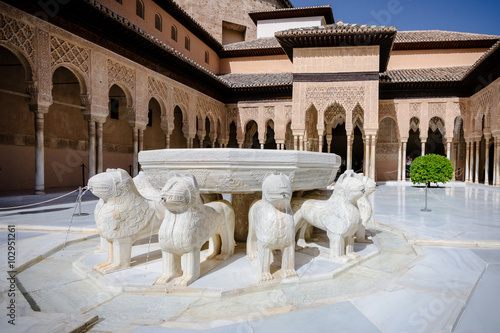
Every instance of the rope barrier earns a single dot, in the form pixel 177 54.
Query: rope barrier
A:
pixel 39 203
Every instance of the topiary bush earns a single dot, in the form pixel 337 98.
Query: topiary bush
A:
pixel 431 168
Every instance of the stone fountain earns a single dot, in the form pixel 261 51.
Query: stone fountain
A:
pixel 177 198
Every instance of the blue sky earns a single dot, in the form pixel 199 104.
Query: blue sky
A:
pixel 479 16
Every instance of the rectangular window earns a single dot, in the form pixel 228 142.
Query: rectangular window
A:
pixel 187 43
pixel 207 57
pixel 114 109
pixel 139 8
pixel 158 22
pixel 173 33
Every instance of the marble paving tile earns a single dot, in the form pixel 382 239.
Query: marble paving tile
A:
pixel 20 235
pixel 481 313
pixel 125 310
pixel 406 310
pixel 489 256
pixel 460 259
pixel 339 317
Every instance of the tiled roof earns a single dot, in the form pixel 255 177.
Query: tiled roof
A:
pixel 439 36
pixel 438 74
pixel 283 13
pixel 438 39
pixel 260 43
pixel 337 28
pixel 258 80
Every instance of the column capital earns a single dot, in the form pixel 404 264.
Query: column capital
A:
pixel 39 107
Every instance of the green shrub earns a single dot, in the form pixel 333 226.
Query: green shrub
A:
pixel 431 168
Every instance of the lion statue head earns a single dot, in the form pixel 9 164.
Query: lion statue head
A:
pixel 180 193
pixel 109 184
pixel 277 190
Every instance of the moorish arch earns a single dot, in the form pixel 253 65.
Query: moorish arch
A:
pixel 16 118
pixel 414 146
pixel 459 149
pixel 67 131
pixel 251 135
pixel 311 134
pixel 154 136
pixel 178 136
pixel 435 136
pixel 233 135
pixel 270 142
pixel 387 149
pixel 117 132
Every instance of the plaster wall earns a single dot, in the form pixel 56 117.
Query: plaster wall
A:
pixel 336 59
pixel 198 48
pixel 263 64
pixel 410 59
pixel 210 14
pixel 267 28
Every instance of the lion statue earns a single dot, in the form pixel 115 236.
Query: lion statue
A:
pixel 338 216
pixel 122 215
pixel 187 225
pixel 271 227
pixel 363 204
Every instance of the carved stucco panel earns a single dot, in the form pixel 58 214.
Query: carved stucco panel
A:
pixel 415 110
pixel 65 52
pixel 158 88
pixel 120 73
pixel 17 33
pixel 348 97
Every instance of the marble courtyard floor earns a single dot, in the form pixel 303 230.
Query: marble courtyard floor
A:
pixel 435 271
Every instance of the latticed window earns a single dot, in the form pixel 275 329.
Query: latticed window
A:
pixel 173 33
pixel 207 57
pixel 139 8
pixel 187 43
pixel 158 22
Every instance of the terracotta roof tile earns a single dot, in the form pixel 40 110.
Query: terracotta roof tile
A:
pixel 260 43
pixel 439 36
pixel 337 28
pixel 258 80
pixel 438 74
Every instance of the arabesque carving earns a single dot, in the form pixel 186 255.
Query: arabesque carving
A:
pixel 346 96
pixel 64 52
pixel 157 88
pixel 17 33
pixel 121 73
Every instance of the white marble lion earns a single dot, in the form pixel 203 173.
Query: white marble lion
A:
pixel 338 216
pixel 271 227
pixel 187 225
pixel 122 215
pixel 363 204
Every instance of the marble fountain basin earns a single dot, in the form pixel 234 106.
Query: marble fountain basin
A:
pixel 230 170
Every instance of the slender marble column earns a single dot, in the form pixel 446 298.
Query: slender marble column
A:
pixel 295 142
pixel 349 153
pixel 366 164
pixel 92 152
pixel 423 147
pixel 467 161
pixel 477 162
pixel 372 157
pixel 403 164
pixel 400 165
pixel 487 162
pixel 329 140
pixel 135 159
pixel 301 143
pixel 141 139
pixel 100 161
pixel 496 162
pixel 448 149
pixel 454 159
pixel 167 141
pixel 39 154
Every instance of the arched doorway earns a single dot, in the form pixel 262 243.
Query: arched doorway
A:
pixel 434 143
pixel 207 140
pixel 17 131
pixel 387 149
pixel 289 137
pixel 357 151
pixel 458 155
pixel 233 141
pixel 311 135
pixel 251 135
pixel 270 142
pixel 154 138
pixel 117 133
pixel 177 138
pixel 66 131
pixel 414 147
